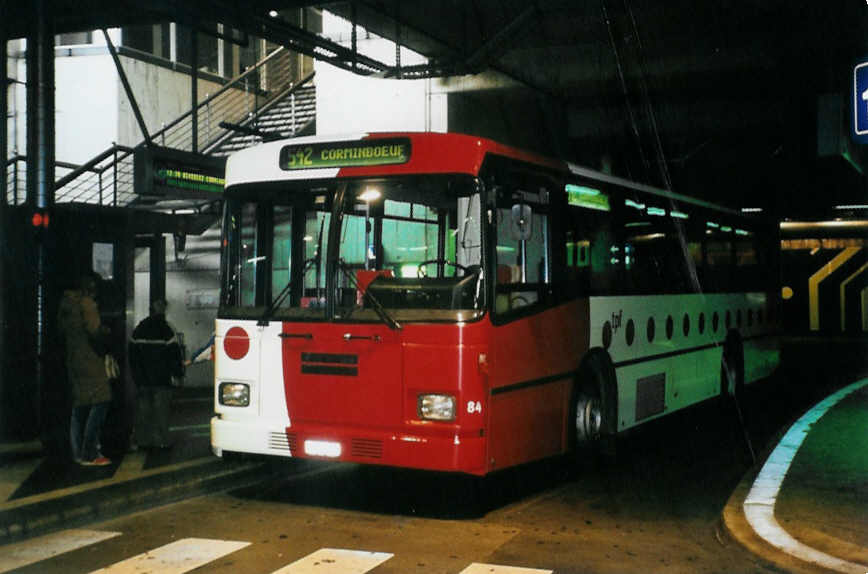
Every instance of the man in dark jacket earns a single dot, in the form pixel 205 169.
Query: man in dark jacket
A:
pixel 155 359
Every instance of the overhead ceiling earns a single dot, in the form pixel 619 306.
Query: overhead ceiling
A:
pixel 743 102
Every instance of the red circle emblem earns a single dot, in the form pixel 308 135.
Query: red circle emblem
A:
pixel 236 343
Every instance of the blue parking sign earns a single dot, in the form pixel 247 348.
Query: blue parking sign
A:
pixel 860 102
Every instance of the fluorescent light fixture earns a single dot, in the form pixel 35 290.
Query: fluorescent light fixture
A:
pixel 822 224
pixel 631 203
pixel 656 211
pixel 325 448
pixel 726 228
pixel 581 190
pixel 751 209
pixel 712 224
pixel 649 237
pixel 855 206
pixel 638 224
pixel 679 215
pixel 741 232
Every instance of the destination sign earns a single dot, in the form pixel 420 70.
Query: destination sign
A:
pixel 345 154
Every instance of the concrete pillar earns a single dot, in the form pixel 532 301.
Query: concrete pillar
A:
pixel 4 227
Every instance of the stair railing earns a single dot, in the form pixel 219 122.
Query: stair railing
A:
pixel 251 118
pixel 109 176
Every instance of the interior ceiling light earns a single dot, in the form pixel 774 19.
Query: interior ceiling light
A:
pixel 370 194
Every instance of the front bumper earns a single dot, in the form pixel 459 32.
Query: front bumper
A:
pixel 427 448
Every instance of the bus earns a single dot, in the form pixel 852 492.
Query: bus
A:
pixel 445 302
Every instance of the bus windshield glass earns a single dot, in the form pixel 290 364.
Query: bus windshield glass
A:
pixel 410 247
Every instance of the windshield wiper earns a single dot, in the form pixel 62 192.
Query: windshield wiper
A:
pixel 276 302
pixel 375 304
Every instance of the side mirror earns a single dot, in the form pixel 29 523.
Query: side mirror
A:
pixel 521 222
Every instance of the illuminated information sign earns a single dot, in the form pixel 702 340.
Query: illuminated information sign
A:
pixel 176 173
pixel 860 103
pixel 588 197
pixel 345 154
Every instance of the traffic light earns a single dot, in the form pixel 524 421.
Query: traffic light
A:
pixel 40 219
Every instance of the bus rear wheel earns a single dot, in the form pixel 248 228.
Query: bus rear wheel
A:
pixel 732 367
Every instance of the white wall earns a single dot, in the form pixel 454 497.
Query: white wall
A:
pixel 347 102
pixel 162 95
pixel 86 109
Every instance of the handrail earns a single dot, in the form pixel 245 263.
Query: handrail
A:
pixel 209 99
pixel 64 164
pixel 264 109
pixel 91 164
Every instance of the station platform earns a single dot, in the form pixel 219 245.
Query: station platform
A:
pixel 42 491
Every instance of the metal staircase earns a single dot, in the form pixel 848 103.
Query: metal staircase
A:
pixel 269 97
pixel 292 115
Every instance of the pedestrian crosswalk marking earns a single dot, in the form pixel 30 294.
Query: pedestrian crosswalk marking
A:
pixel 188 554
pixel 477 568
pixel 336 561
pixel 177 557
pixel 44 547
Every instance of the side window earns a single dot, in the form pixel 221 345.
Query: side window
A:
pixel 522 249
pixel 592 250
pixel 718 248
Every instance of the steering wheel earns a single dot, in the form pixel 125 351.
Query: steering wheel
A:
pixel 421 268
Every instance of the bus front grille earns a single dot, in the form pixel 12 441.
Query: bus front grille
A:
pixel 282 441
pixel 367 448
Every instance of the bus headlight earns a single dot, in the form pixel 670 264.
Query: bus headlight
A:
pixel 436 407
pixel 234 394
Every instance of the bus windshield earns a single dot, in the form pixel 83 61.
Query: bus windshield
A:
pixel 409 247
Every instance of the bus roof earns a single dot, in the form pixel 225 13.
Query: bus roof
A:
pixel 363 155
pixel 399 153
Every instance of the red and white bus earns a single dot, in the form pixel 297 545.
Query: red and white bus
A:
pixel 445 302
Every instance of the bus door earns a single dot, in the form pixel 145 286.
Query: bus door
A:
pixel 347 370
pixel 530 366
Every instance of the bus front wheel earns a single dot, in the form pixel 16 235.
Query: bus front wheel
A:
pixel 594 415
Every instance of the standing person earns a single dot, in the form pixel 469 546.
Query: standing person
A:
pixel 155 358
pixel 79 323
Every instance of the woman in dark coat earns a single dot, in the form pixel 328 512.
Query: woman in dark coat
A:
pixel 79 323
